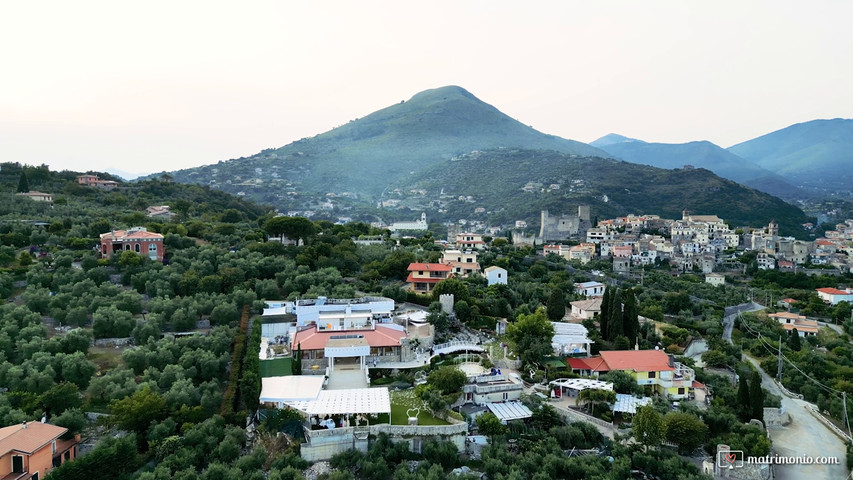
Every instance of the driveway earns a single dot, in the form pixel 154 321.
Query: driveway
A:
pixel 805 436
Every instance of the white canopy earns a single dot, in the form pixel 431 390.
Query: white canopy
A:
pixel 581 383
pixel 351 401
pixel 509 411
pixel 628 403
pixel 290 389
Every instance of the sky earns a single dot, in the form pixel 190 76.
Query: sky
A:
pixel 159 86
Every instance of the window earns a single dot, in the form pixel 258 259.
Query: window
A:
pixel 53 446
pixel 681 391
pixel 136 248
pixel 506 396
pixel 651 374
pixel 17 463
pixel 127 247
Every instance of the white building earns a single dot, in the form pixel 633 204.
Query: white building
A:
pixel 334 313
pixel 590 289
pixel 495 275
pixel 416 225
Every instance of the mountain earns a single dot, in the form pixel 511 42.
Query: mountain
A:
pixel 516 184
pixel 816 154
pixel 700 154
pixel 360 158
pixel 613 138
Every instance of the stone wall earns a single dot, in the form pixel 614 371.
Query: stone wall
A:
pixel 774 417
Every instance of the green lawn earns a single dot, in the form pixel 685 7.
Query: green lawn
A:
pixel 278 367
pixel 406 399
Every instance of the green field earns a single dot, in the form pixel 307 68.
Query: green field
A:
pixel 278 367
pixel 404 400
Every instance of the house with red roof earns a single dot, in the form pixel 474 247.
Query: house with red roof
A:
pixel 834 296
pixel 386 342
pixel 423 276
pixel 136 239
pixel 654 369
pixel 29 450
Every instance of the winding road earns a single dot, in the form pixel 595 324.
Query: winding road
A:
pixel 805 436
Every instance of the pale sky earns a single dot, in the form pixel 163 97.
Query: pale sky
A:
pixel 164 85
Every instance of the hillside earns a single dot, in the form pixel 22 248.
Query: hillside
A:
pixel 126 204
pixel 702 154
pixel 816 154
pixel 359 159
pixel 610 187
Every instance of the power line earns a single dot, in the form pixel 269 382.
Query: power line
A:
pixel 768 346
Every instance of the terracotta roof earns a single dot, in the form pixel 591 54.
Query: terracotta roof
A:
pixel 593 304
pixel 433 267
pixel 833 291
pixel 595 364
pixel 792 316
pixel 28 437
pixel 122 234
pixel 312 339
pixel 698 384
pixel 637 360
pixel 802 326
pixel 789 300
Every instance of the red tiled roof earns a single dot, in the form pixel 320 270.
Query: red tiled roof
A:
pixel 312 339
pixel 28 439
pixel 698 384
pixel 792 316
pixel 596 364
pixel 637 360
pixel 832 291
pixel 789 300
pixel 802 326
pixel 433 267
pixel 122 234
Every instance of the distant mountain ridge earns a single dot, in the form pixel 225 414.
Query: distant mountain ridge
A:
pixel 699 154
pixel 816 154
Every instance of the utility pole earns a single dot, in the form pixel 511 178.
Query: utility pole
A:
pixel 844 404
pixel 780 361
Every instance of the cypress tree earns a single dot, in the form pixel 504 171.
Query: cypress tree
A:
pixel 744 407
pixel 614 316
pixel 604 315
pixel 556 305
pixel 756 396
pixel 794 341
pixel 23 183
pixel 630 316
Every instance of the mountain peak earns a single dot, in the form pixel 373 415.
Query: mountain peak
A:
pixel 443 93
pixel 613 138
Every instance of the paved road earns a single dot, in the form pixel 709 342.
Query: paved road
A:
pixel 806 435
pixel 731 314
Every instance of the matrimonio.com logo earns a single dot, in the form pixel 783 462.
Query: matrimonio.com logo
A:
pixel 735 459
pixel 729 458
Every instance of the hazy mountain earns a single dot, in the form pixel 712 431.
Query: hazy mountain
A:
pixel 700 154
pixel 364 155
pixel 397 154
pixel 816 154
pixel 613 138
pixel 517 184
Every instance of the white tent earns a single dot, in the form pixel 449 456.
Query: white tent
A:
pixel 351 402
pixel 581 384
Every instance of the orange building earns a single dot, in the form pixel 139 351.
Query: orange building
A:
pixel 28 451
pixel 423 276
pixel 136 239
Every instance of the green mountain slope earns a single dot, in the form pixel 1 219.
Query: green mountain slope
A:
pixel 363 156
pixel 816 154
pixel 610 187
